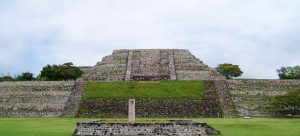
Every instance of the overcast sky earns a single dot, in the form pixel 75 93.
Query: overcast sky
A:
pixel 259 35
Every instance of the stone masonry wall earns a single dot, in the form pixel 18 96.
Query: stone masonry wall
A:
pixel 33 99
pixel 253 97
pixel 114 108
pixel 150 64
pixel 174 127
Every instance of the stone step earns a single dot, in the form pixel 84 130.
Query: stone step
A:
pixel 37 86
pixel 254 107
pixel 265 82
pixel 186 60
pixel 262 87
pixel 246 112
pixel 106 78
pixel 190 67
pixel 17 99
pixel 110 70
pixel 197 75
pixel 260 99
pixel 34 94
pixel 29 114
pixel 191 64
pixel 115 56
pixel 259 93
pixel 32 106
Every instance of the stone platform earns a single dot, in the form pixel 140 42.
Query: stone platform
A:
pixel 149 65
pixel 174 128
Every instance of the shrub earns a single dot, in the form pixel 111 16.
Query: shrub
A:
pixel 25 76
pixel 289 72
pixel 229 70
pixel 60 72
pixel 289 102
pixel 6 78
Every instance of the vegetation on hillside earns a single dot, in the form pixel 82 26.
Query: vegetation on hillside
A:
pixel 229 70
pixel 155 89
pixel 6 78
pixel 289 102
pixel 289 72
pixel 48 73
pixel 25 76
pixel 60 72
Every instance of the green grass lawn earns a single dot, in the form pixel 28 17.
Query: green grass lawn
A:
pixel 155 89
pixel 228 127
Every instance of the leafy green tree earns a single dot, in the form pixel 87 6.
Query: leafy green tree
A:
pixel 25 76
pixel 229 70
pixel 289 102
pixel 6 77
pixel 60 72
pixel 289 72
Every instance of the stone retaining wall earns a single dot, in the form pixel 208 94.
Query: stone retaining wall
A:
pixel 144 108
pixel 253 97
pixel 34 99
pixel 216 102
pixel 178 128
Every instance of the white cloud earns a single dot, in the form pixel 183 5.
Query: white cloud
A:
pixel 259 35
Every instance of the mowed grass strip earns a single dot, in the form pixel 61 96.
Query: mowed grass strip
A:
pixel 227 126
pixel 135 90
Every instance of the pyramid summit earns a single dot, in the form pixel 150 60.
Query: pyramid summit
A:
pixel 150 65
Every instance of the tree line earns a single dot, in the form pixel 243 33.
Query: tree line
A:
pixel 48 73
pixel 69 72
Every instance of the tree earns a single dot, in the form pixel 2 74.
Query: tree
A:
pixel 25 76
pixel 289 72
pixel 289 102
pixel 6 77
pixel 60 72
pixel 229 70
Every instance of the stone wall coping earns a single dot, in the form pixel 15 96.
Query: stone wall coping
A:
pixel 171 122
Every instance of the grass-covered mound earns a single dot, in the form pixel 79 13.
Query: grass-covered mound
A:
pixel 136 90
pixel 153 99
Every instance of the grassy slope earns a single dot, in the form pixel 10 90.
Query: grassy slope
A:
pixel 228 127
pixel 157 89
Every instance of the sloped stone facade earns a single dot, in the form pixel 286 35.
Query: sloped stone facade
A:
pixel 253 97
pixel 34 99
pixel 148 65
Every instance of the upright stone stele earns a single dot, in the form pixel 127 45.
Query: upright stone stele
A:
pixel 131 110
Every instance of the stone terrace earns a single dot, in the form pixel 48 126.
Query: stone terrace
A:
pixel 253 97
pixel 34 99
pixel 150 64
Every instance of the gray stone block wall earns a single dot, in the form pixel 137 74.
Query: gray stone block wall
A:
pixel 253 97
pixel 150 64
pixel 178 128
pixel 145 108
pixel 34 99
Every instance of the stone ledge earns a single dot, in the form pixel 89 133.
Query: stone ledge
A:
pixel 173 127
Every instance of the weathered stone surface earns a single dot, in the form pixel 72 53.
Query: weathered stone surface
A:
pixel 150 64
pixel 131 110
pixel 117 108
pixel 253 97
pixel 178 128
pixel 216 102
pixel 72 105
pixel 34 99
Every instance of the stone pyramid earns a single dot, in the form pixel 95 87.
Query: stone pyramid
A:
pixel 150 65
